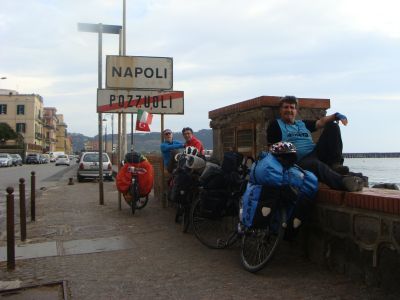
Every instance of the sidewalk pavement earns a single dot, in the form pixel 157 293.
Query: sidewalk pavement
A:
pixel 106 253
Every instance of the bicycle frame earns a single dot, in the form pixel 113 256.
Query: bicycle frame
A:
pixel 134 188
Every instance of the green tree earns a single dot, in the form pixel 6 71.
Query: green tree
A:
pixel 7 133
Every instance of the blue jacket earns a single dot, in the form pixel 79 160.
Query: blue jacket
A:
pixel 166 148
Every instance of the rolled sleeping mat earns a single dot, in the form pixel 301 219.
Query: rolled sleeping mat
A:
pixel 195 162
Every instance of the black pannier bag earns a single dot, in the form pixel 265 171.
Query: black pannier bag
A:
pixel 212 177
pixel 232 161
pixel 213 203
pixel 182 181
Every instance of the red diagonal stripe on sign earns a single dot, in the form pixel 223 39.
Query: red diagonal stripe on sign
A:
pixel 135 103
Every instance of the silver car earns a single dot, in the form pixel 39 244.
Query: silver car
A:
pixel 62 160
pixel 89 166
pixel 5 160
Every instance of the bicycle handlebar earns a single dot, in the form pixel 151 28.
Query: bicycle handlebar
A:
pixel 137 170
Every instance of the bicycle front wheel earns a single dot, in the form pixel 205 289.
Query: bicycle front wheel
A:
pixel 215 232
pixel 259 245
pixel 142 202
pixel 185 218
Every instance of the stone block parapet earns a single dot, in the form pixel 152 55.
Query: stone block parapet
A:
pixel 357 234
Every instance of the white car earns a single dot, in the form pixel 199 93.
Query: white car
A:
pixel 62 160
pixel 5 160
pixel 89 166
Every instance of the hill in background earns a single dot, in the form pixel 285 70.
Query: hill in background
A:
pixel 144 142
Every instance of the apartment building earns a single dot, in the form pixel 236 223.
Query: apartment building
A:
pixel 24 113
pixel 50 129
pixel 61 133
pixel 68 145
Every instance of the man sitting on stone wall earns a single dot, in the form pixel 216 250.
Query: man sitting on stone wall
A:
pixel 325 158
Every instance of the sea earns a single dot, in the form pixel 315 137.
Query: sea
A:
pixel 378 170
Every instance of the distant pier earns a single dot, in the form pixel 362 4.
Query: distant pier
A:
pixel 372 155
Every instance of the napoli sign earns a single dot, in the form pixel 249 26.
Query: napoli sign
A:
pixel 139 72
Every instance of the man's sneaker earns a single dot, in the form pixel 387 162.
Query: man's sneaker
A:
pixel 341 169
pixel 353 183
pixel 364 178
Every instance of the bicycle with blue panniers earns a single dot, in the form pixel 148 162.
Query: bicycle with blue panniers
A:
pixel 276 202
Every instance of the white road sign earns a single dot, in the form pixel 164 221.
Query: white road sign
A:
pixel 139 72
pixel 129 101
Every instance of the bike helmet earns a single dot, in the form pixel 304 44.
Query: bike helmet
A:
pixel 191 151
pixel 283 148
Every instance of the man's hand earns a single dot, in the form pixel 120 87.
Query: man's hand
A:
pixel 341 118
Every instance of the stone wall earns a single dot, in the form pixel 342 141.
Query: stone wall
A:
pixel 362 242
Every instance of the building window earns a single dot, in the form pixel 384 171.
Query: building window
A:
pixel 228 139
pixel 20 109
pixel 3 109
pixel 245 140
pixel 21 127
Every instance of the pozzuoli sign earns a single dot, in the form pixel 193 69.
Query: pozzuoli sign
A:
pixel 129 101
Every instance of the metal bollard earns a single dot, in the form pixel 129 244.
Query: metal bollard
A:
pixel 22 208
pixel 33 196
pixel 10 230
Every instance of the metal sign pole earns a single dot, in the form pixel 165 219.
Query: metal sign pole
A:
pixel 119 156
pixel 163 196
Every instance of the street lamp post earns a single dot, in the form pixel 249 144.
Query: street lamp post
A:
pixel 100 29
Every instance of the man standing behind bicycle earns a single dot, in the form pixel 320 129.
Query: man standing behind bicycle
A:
pixel 168 146
pixel 191 140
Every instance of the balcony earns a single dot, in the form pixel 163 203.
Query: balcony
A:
pixel 38 136
pixel 50 126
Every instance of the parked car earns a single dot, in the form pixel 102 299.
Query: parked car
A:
pixel 62 160
pixel 45 158
pixel 16 159
pixel 5 160
pixel 89 166
pixel 33 158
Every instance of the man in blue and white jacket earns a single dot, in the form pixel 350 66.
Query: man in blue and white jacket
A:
pixel 168 146
pixel 325 158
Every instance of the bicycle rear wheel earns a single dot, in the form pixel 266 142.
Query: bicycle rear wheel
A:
pixel 215 232
pixel 134 190
pixel 259 245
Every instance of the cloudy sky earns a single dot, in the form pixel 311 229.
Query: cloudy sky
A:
pixel 224 51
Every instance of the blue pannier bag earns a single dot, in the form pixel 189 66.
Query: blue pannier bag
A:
pixel 250 200
pixel 269 171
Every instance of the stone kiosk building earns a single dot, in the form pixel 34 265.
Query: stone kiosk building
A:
pixel 353 233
